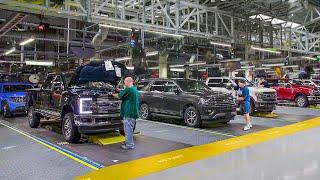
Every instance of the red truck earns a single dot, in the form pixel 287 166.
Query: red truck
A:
pixel 302 95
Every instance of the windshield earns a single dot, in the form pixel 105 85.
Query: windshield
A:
pixel 248 83
pixel 317 82
pixel 16 88
pixel 192 85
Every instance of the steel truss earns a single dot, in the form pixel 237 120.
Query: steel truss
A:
pixel 184 17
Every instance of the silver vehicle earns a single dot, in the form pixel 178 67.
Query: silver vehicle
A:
pixel 262 99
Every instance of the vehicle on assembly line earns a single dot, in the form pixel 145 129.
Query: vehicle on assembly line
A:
pixel 261 99
pixel 290 90
pixel 13 98
pixel 307 82
pixel 186 99
pixel 81 101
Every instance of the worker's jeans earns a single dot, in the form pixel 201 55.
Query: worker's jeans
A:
pixel 129 124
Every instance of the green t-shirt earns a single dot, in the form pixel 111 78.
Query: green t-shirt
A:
pixel 130 102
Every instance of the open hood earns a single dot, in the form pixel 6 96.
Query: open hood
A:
pixel 109 72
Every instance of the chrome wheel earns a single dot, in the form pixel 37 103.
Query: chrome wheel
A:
pixel 144 111
pixel 191 118
pixel 67 127
pixel 301 101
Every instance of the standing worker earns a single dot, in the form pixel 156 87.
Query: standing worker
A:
pixel 129 110
pixel 264 83
pixel 245 98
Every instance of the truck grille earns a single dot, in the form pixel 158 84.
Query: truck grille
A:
pixel 269 96
pixel 107 105
pixel 221 101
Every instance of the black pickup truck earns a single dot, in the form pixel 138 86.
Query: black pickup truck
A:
pixel 81 101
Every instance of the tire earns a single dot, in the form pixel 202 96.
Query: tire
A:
pixel 192 117
pixel 301 101
pixel 145 111
pixel 69 129
pixel 6 110
pixel 33 118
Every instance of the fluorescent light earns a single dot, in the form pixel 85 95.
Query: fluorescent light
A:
pixel 292 66
pixel 130 67
pixel 122 59
pixel 10 51
pixel 153 68
pixel 265 50
pixel 220 44
pixel 273 65
pixel 154 53
pixel 231 60
pixel 197 64
pixel 40 63
pixel 115 27
pixel 166 34
pixel 310 58
pixel 177 65
pixel 202 70
pixel 177 69
pixel 26 41
pixel 265 68
pixel 247 67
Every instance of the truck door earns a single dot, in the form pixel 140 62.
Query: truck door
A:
pixel 56 92
pixel 43 99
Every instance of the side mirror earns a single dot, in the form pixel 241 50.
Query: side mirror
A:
pixel 288 86
pixel 229 86
pixel 177 91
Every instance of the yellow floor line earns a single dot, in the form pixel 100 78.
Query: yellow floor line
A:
pixel 160 162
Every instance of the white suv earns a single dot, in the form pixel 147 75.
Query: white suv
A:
pixel 262 99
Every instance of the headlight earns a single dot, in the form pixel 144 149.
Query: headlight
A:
pixel 17 99
pixel 259 95
pixel 204 101
pixel 85 105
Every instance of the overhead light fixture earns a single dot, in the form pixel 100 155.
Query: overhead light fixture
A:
pixel 292 66
pixel 10 51
pixel 177 65
pixel 154 53
pixel 166 34
pixel 122 59
pixel 39 63
pixel 130 67
pixel 202 70
pixel 262 68
pixel 265 50
pixel 247 67
pixel 153 68
pixel 273 65
pixel 26 41
pixel 115 27
pixel 197 64
pixel 310 58
pixel 177 70
pixel 220 44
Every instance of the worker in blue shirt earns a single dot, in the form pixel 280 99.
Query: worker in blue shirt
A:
pixel 244 96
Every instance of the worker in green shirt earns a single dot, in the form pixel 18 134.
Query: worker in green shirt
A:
pixel 129 110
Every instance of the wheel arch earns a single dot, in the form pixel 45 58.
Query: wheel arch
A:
pixel 66 109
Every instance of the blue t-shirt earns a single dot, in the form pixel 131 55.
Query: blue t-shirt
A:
pixel 245 94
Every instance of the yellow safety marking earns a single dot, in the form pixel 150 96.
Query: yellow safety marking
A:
pixel 53 148
pixel 265 114
pixel 106 139
pixel 160 162
pixel 314 107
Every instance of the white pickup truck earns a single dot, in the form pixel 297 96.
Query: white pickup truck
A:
pixel 262 99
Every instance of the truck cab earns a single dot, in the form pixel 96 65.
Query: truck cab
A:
pixel 262 99
pixel 81 101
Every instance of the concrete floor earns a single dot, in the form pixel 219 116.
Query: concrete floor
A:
pixel 294 157
pixel 163 135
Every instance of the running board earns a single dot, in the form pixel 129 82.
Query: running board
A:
pixel 165 115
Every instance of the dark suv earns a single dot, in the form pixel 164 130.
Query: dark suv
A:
pixel 188 99
pixel 81 101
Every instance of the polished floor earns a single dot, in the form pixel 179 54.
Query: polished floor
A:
pixel 294 157
pixel 284 147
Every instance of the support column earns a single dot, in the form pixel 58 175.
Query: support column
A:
pixel 163 65
pixel 187 71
